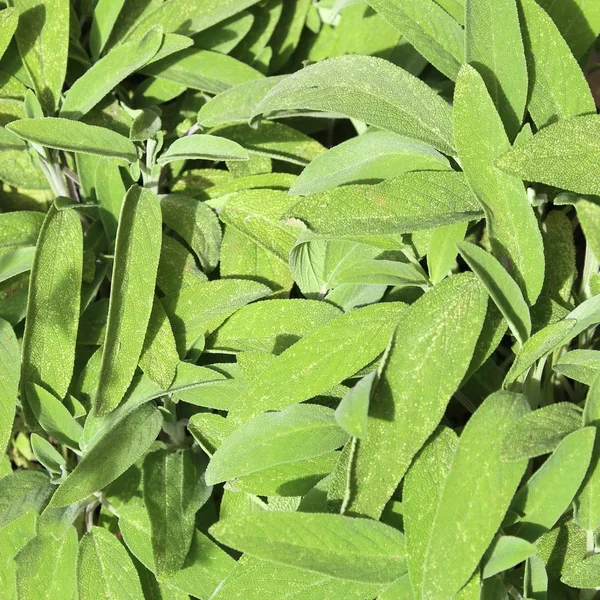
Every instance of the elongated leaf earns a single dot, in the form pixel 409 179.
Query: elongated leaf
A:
pixel 173 492
pixel 502 288
pixel 441 252
pixel 540 431
pixel 550 491
pixel 475 498
pixel 106 13
pixel 296 433
pixel 54 303
pixel 422 491
pixel 203 147
pixel 10 367
pixel 114 452
pixel 71 136
pixel 374 157
pixel 16 262
pixel 23 491
pixel 552 69
pixel 271 325
pixel 562 155
pixel 107 73
pixel 494 46
pixel 137 253
pixel 43 40
pixel 358 87
pixel 580 365
pixel 411 202
pixel 587 506
pixel 352 412
pixel 287 33
pixel 9 19
pixel 506 552
pixel 584 574
pixel 429 28
pixel 19 229
pixel 513 229
pixel 425 342
pixel 13 538
pixel 104 569
pixel 343 547
pixel 344 346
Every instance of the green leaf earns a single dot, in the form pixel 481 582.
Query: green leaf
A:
pixel 270 325
pixel 107 73
pixel 552 69
pixel 441 252
pixel 106 13
pixel 72 136
pixel 537 347
pixel 501 287
pixel 10 367
pixel 430 29
pixel 344 345
pixel 346 548
pixel 202 308
pixel 203 147
pixel 550 491
pixel 196 224
pixel 513 229
pixel 177 268
pixel 47 455
pixel 23 491
pixel 202 70
pixel 580 365
pixel 174 490
pixel 206 564
pixel 54 303
pixel 429 357
pixel 475 498
pixel 584 574
pixel 587 506
pixel 43 40
pixel 540 431
pixel 494 46
pixel 111 455
pixel 52 415
pixel 288 31
pixel 137 252
pixel 19 229
pixel 374 157
pixel 352 413
pixel 104 569
pixel 46 566
pixel 369 89
pixel 422 491
pixel 411 202
pixel 297 433
pixel 506 552
pixel 562 154
pixel 16 262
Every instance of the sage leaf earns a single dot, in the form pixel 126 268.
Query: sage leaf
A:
pixel 580 365
pixel 206 147
pixel 583 574
pixel 352 412
pixel 10 366
pixel 506 552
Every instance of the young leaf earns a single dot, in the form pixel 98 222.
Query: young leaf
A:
pixel 104 569
pixel 506 552
pixel 43 40
pixel 502 288
pixel 137 252
pixel 411 202
pixel 352 413
pixel 539 432
pixel 425 343
pixel 54 303
pixel 580 365
pixel 562 154
pixel 72 136
pixel 587 506
pixel 299 432
pixel 370 89
pixel 374 157
pixel 558 88
pixel 346 548
pixel 203 147
pixel 550 491
pixel 345 345
pixel 107 73
pixel 111 455
pixel 430 29
pixel 480 137
pixel 475 498
pixel 47 455
pixel 174 490
pixel 10 367
pixel 494 46
pixel 422 491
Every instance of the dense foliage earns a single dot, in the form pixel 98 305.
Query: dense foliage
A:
pixel 298 300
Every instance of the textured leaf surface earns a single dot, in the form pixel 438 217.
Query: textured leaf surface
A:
pixel 10 366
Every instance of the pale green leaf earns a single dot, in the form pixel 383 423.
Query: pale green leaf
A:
pixel 352 413
pixel 584 574
pixel 441 252
pixel 16 262
pixel 580 365
pixel 288 31
pixel 203 147
pixel 46 454
pixel 10 368
pixel 22 491
pixel 106 13
pixel 506 552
